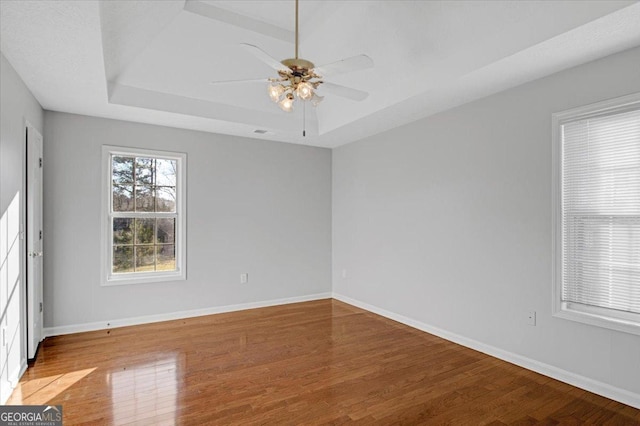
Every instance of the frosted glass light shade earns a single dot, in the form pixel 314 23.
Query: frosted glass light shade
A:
pixel 304 91
pixel 287 103
pixel 315 99
pixel 275 91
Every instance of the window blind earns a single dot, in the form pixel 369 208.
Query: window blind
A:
pixel 600 186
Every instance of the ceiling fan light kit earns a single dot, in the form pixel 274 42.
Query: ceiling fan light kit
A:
pixel 297 81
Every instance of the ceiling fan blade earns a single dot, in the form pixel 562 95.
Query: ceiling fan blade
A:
pixel 263 56
pixel 253 80
pixel 345 92
pixel 354 63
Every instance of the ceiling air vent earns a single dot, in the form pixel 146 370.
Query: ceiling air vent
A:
pixel 260 131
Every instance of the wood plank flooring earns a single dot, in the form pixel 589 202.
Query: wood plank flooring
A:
pixel 321 362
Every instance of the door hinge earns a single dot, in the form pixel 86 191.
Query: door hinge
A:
pixel 40 306
pixel 40 162
pixel 41 234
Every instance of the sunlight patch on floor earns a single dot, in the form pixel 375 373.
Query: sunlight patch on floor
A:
pixel 42 390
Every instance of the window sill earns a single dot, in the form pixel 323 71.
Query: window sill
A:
pixel 630 324
pixel 129 279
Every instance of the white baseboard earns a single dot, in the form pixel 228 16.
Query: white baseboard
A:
pixel 606 390
pixel 103 325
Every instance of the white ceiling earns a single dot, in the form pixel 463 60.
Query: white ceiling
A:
pixel 152 61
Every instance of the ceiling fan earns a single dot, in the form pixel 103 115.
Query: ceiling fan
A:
pixel 300 78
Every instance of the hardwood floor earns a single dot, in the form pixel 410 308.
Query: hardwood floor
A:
pixel 307 363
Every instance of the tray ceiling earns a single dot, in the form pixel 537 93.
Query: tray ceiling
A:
pixel 152 61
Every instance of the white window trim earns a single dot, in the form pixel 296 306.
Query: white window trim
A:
pixel 107 277
pixel 629 323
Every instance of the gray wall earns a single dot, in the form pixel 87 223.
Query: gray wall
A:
pixel 17 105
pixel 252 206
pixel 447 222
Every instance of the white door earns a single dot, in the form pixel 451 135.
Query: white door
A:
pixel 34 241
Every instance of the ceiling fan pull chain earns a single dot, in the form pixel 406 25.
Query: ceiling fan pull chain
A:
pixel 304 119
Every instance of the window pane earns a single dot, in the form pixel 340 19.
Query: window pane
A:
pixel 166 172
pixel 144 198
pixel 144 171
pixel 122 230
pixel 122 169
pixel 122 259
pixel 145 231
pixel 166 257
pixel 165 199
pixel 166 231
pixel 145 258
pixel 122 198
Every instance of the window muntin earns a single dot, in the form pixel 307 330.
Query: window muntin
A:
pixel 145 220
pixel 597 212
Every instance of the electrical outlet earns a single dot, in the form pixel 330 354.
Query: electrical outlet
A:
pixel 244 278
pixel 531 318
pixel 344 274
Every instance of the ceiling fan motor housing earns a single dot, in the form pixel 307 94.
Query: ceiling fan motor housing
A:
pixel 298 66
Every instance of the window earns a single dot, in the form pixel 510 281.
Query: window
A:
pixel 144 220
pixel 597 214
